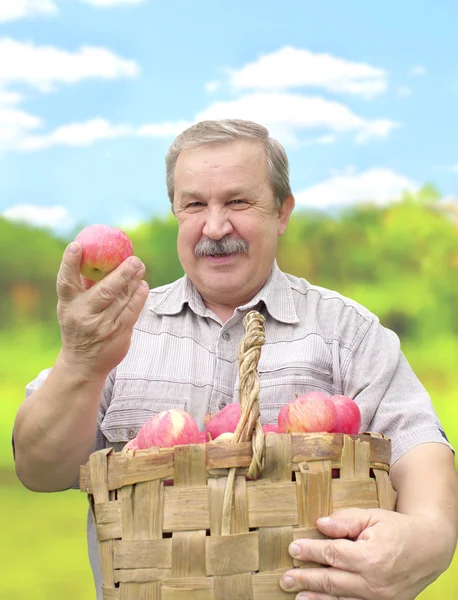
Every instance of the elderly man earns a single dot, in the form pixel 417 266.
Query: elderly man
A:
pixel 128 352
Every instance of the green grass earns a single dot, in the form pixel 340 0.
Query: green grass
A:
pixel 43 555
pixel 23 354
pixel 43 551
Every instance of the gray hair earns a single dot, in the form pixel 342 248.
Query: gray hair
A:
pixel 228 130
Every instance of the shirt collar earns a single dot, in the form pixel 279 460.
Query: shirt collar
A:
pixel 275 294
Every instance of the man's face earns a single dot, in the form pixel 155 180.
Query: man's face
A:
pixel 222 194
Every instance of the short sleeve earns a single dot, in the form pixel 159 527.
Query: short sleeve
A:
pixel 392 399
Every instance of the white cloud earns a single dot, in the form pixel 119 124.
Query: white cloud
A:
pixel 286 114
pixel 292 68
pixel 11 10
pixel 404 91
pixel 419 70
pixel 14 122
pixel 55 217
pixel 44 66
pixel 212 86
pixel 81 134
pixel 76 134
pixel 326 139
pixel 380 128
pixel 105 3
pixel 377 185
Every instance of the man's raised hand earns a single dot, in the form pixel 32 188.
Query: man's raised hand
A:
pixel 96 321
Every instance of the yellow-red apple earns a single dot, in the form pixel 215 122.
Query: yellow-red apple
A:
pixel 225 421
pixel 348 415
pixel 103 249
pixel 311 412
pixel 174 427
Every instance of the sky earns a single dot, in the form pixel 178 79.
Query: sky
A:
pixel 362 95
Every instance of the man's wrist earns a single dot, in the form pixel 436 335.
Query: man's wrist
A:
pixel 78 370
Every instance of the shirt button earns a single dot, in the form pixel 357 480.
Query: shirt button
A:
pixel 131 433
pixel 222 404
pixel 226 336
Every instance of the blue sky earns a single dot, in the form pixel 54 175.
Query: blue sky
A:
pixel 92 92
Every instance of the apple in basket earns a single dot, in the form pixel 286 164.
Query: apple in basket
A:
pixel 103 249
pixel 174 427
pixel 311 412
pixel 271 428
pixel 225 421
pixel 348 415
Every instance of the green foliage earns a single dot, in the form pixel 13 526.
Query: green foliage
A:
pixel 401 261
pixel 155 243
pixel 28 254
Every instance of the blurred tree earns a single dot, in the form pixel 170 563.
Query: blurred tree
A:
pixel 155 244
pixel 29 261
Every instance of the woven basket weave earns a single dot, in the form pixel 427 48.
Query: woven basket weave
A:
pixel 214 534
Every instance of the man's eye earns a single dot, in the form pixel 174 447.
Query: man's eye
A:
pixel 194 204
pixel 238 201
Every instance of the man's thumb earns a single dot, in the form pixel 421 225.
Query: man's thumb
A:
pixel 68 277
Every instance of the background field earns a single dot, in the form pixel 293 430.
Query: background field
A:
pixel 401 261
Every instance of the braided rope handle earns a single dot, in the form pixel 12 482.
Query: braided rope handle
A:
pixel 249 426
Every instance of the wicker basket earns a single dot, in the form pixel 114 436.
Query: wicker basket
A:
pixel 222 531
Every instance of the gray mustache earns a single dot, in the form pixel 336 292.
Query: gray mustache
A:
pixel 220 247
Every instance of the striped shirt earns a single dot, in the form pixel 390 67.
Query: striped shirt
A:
pixel 183 356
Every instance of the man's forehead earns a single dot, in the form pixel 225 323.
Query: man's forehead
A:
pixel 240 157
pixel 229 191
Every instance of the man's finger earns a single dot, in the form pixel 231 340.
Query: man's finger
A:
pixel 320 596
pixel 134 307
pixel 107 290
pixel 347 523
pixel 332 582
pixel 68 278
pixel 341 554
pixel 123 298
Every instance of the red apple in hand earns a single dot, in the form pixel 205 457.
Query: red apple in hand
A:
pixel 311 412
pixel 104 248
pixel 348 416
pixel 168 428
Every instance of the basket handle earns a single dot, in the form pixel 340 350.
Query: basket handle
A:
pixel 249 426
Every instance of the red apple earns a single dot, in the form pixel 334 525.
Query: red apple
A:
pixel 271 428
pixel 104 248
pixel 132 444
pixel 168 428
pixel 348 416
pixel 225 421
pixel 311 412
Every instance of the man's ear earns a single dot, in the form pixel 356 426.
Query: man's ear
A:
pixel 284 213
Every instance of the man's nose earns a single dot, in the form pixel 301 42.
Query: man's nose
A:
pixel 217 224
